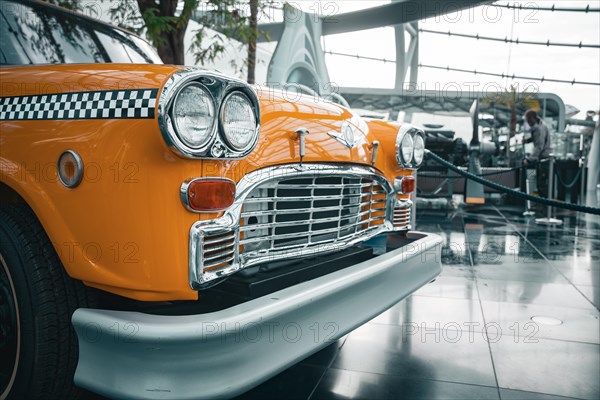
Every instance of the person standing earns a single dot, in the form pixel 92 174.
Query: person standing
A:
pixel 542 148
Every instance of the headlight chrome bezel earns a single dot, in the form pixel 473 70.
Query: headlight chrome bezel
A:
pixel 219 87
pixel 180 142
pixel 221 122
pixel 421 135
pixel 413 133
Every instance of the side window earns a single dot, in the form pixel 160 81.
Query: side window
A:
pixel 114 48
pixel 120 51
pixel 136 57
pixel 11 51
pixel 31 33
pixel 49 38
pixel 147 49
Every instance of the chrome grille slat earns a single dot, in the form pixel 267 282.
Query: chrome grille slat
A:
pixel 317 232
pixel 401 216
pixel 292 223
pixel 293 235
pixel 210 248
pixel 220 262
pixel 223 238
pixel 219 255
pixel 329 241
pixel 306 210
pixel 312 206
pixel 324 186
pixel 308 198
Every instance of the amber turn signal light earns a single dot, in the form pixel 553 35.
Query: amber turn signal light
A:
pixel 208 194
pixel 404 184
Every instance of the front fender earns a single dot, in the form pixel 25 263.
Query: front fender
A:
pixel 123 229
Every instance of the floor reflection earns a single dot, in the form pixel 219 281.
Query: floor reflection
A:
pixel 470 333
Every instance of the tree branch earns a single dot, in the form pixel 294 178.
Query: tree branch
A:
pixel 145 5
pixel 188 8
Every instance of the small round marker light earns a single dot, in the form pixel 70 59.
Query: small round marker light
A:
pixel 70 169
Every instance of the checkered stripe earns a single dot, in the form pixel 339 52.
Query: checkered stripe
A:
pixel 104 104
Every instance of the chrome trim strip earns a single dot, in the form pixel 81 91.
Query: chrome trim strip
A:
pixel 230 221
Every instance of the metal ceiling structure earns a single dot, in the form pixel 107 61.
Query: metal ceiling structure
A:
pixel 299 58
pixel 496 105
pixel 396 13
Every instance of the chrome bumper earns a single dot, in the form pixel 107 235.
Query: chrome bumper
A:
pixel 225 353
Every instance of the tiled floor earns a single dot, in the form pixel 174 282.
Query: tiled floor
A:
pixel 472 334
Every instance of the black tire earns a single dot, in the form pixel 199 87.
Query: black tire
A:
pixel 44 298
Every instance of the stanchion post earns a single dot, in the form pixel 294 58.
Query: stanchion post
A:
pixel 582 183
pixel 550 186
pixel 549 220
pixel 528 189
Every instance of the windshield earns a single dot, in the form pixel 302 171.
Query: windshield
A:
pixel 32 33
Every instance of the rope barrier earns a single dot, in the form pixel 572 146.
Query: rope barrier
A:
pixel 512 192
pixel 570 185
pixel 426 175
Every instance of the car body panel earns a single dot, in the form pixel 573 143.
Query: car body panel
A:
pixel 124 229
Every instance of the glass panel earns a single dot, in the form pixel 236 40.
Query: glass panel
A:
pixel 38 34
pixel 114 48
pixel 49 38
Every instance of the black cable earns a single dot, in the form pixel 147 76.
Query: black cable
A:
pixel 547 43
pixel 426 175
pixel 570 185
pixel 518 6
pixel 512 192
pixel 513 76
pixel 471 71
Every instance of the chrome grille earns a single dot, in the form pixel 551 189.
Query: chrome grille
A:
pixel 402 214
pixel 291 211
pixel 304 213
pixel 218 250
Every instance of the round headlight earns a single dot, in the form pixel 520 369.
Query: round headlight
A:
pixel 406 149
pixel 419 152
pixel 239 121
pixel 194 116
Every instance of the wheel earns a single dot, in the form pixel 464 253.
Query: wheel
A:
pixel 38 346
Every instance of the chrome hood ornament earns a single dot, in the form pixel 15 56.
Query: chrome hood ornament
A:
pixel 302 132
pixel 346 136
